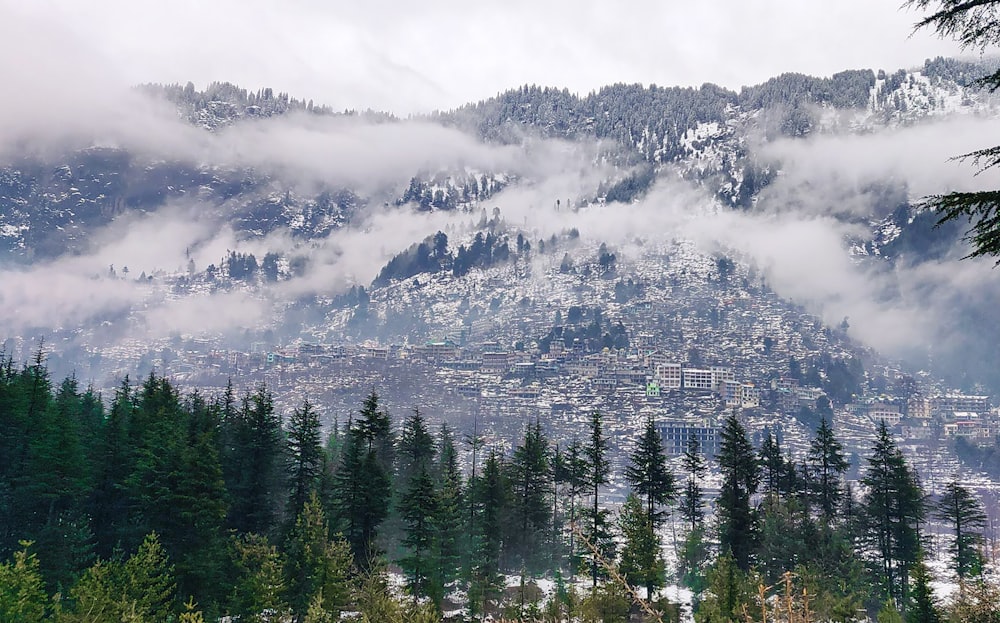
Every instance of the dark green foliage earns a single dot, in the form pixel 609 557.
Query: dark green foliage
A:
pixel 923 606
pixel 977 25
pixel 419 507
pixel 491 493
pixel 176 487
pixel 827 466
pixel 484 251
pixel 109 503
pixel 598 533
pixel 156 476
pixel 530 479
pixel 651 480
pixel 631 187
pixel 252 448
pixel 891 514
pixel 740 477
pixel 648 474
pixel 416 449
pixel 572 474
pixel 363 483
pixel 304 456
pixel 449 523
pixel 641 562
pixel 692 505
pixel 429 256
pixel 692 559
pixel 964 515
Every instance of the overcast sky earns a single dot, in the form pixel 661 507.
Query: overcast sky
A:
pixel 437 54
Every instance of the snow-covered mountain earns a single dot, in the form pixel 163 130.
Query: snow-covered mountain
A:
pixel 481 223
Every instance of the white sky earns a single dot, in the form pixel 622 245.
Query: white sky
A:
pixel 437 54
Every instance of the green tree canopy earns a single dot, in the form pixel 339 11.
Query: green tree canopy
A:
pixel 974 24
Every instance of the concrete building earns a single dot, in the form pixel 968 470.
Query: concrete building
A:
pixel 697 379
pixel 668 375
pixel 677 433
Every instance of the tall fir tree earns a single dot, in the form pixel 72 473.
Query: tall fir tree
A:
pixel 827 466
pixel 740 478
pixel 491 495
pixel 964 514
pixel 649 475
pixel 419 507
pixel 450 521
pixel 692 505
pixel 416 449
pixel 923 607
pixel 772 464
pixel 316 564
pixel 363 482
pixel 641 560
pixel 530 478
pixel 109 501
pixel 575 477
pixel 891 514
pixel 598 471
pixel 254 446
pixel 304 456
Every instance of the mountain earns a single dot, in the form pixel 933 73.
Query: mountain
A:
pixel 658 210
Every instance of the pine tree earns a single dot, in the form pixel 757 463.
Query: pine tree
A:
pixel 305 456
pixel 491 496
pixel 52 493
pixel 109 505
pixel 530 477
pixel 648 473
pixel 362 482
pixel 692 505
pixel 923 606
pixel 729 591
pixel 599 468
pixel 315 563
pixel 149 580
pixel 419 507
pixel 641 562
pixel 139 589
pixel 177 486
pixel 449 522
pixel 773 465
pixel 254 446
pixel 891 514
pixel 740 477
pixel 576 484
pixel 964 514
pixel 827 466
pixel 416 449
pixel 259 587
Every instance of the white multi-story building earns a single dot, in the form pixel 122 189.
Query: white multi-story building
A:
pixel 668 375
pixel 697 379
pixel 721 375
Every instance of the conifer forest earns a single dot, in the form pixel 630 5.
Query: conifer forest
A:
pixel 157 504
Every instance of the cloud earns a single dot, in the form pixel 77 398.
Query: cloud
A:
pixel 441 54
pixel 842 174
